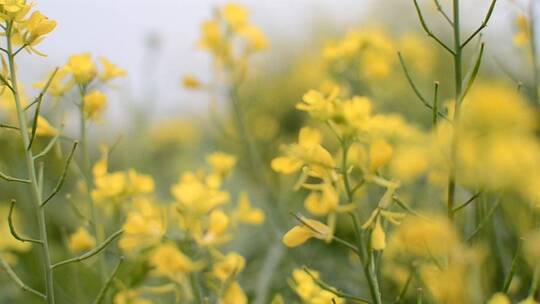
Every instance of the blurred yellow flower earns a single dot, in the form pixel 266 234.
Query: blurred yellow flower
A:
pixel 244 213
pixel 94 104
pixel 82 67
pixel 235 15
pixel 44 128
pixel 380 154
pixel 221 163
pixel 168 261
pixel 191 82
pixel 110 70
pixel 81 240
pixel 144 227
pixel 309 291
pixel 307 152
pixel 499 298
pixel 234 295
pixel 229 266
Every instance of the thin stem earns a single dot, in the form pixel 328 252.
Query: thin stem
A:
pixel 90 253
pixel 407 208
pixel 482 26
pixel 333 290
pixel 63 176
pixel 470 200
pixel 415 88
pixel 474 72
pixel 401 295
pixel 47 148
pixel 14 179
pixel 87 174
pixel 103 290
pixel 8 127
pixel 39 100
pixel 428 31
pixel 14 232
pixel 534 282
pixel 485 220
pixel 458 89
pixel 363 254
pixel 443 12
pixel 39 212
pixel 4 265
pixel 513 267
pixel 20 49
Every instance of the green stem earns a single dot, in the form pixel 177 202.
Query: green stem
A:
pixel 366 261
pixel 32 175
pixel 458 89
pixel 87 173
pixel 513 266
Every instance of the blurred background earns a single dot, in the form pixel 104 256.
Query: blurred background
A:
pixel 156 40
pixel 160 128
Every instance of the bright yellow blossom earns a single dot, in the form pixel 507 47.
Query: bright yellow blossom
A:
pixel 299 234
pixel 82 67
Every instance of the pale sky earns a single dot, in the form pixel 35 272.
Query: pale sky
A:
pixel 118 30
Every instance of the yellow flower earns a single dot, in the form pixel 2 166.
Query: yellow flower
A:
pixel 197 195
pixel 168 261
pixel 59 84
pixel 39 25
pixel 309 228
pixel 191 82
pixel 213 40
pixel 246 214
pixel 93 104
pixel 235 15
pixel 255 37
pixel 112 187
pixel 231 265
pixel 378 237
pixel 319 105
pixel 143 228
pixel 234 295
pixel 308 152
pixel 499 298
pixel 139 183
pixel 309 291
pixel 44 128
pixel 82 67
pixel 222 163
pixel 110 70
pixel 322 203
pixel 380 154
pixel 15 7
pixel 81 240
pixel 218 223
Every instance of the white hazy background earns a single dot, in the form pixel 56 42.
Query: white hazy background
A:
pixel 122 29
